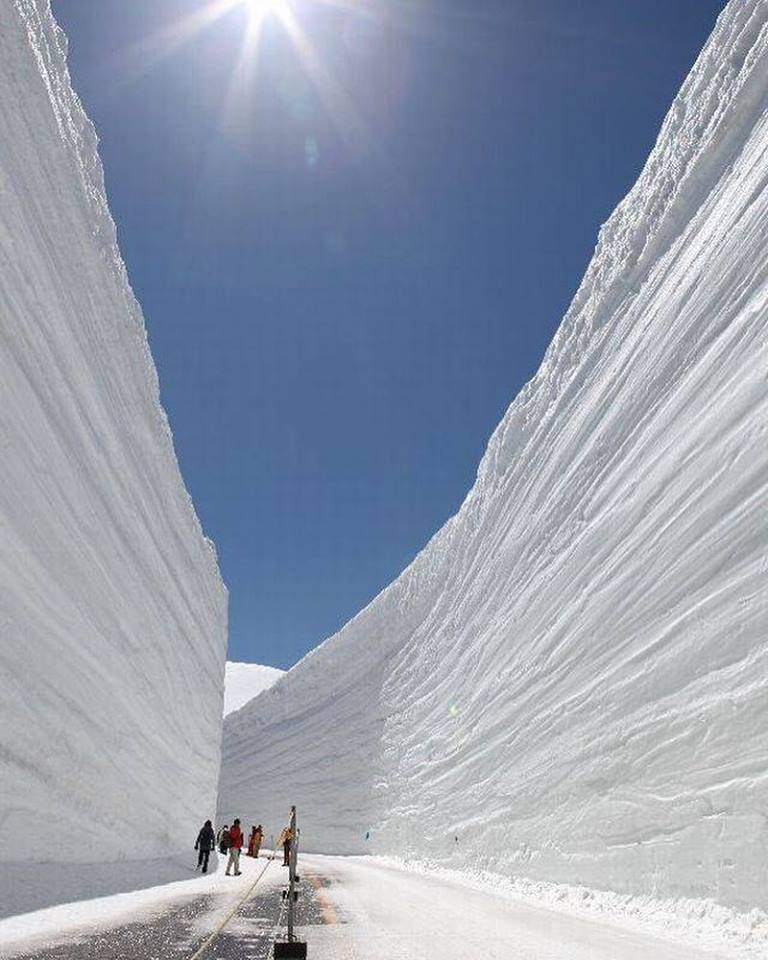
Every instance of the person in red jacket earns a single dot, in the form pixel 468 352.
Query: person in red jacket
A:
pixel 235 846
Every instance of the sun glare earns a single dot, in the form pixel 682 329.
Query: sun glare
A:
pixel 257 13
pixel 258 9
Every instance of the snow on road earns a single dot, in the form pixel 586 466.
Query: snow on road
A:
pixel 375 911
pixel 77 922
pixel 351 908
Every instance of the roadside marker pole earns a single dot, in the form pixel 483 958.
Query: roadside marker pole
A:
pixel 292 876
pixel 295 949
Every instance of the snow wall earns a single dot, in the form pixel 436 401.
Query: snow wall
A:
pixel 244 681
pixel 112 611
pixel 570 683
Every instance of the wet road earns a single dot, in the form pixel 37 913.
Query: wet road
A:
pixel 183 929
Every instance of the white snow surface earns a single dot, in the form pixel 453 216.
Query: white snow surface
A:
pixel 376 910
pixel 244 681
pixel 569 685
pixel 372 910
pixel 112 610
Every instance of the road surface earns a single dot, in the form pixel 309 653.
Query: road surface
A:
pixel 362 909
pixel 377 912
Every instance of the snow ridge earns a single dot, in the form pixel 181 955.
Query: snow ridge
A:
pixel 113 612
pixel 244 681
pixel 570 683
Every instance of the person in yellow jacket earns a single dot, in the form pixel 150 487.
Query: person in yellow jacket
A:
pixel 286 838
pixel 255 840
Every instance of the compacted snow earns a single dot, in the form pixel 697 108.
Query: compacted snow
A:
pixel 244 681
pixel 112 611
pixel 358 908
pixel 377 911
pixel 569 685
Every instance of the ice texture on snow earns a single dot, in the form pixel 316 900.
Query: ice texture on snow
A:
pixel 244 681
pixel 112 611
pixel 570 683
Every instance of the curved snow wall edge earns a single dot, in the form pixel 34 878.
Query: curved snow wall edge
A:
pixel 112 610
pixel 570 683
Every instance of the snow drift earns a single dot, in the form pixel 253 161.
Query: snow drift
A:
pixel 112 611
pixel 244 681
pixel 570 683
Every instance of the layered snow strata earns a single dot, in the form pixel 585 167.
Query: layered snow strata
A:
pixel 112 611
pixel 570 683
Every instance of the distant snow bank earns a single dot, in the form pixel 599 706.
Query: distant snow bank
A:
pixel 112 612
pixel 570 683
pixel 244 681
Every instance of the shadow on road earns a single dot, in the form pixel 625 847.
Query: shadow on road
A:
pixel 33 886
pixel 182 929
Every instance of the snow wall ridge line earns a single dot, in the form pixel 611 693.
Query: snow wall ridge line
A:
pixel 564 677
pixel 112 604
pixel 646 223
pixel 49 45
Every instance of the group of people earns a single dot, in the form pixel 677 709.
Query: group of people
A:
pixel 230 840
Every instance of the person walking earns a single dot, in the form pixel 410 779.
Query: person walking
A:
pixel 223 839
pixel 235 846
pixel 252 844
pixel 205 845
pixel 286 837
pixel 258 839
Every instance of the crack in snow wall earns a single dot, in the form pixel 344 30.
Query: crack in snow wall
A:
pixel 112 610
pixel 570 683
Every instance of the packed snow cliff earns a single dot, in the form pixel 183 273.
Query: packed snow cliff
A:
pixel 112 611
pixel 244 681
pixel 570 683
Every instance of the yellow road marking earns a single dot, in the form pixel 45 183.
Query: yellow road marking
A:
pixel 327 910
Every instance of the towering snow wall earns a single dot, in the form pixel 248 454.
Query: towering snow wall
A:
pixel 570 683
pixel 112 612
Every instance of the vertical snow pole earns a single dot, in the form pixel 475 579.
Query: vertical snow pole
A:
pixel 292 876
pixel 292 948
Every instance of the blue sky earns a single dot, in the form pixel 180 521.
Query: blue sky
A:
pixel 352 250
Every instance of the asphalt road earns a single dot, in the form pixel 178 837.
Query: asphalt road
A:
pixel 179 932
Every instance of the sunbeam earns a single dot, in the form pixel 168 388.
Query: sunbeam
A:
pixel 243 73
pixel 254 15
pixel 143 56
pixel 339 104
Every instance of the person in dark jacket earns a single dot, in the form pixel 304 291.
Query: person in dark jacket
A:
pixel 223 839
pixel 205 845
pixel 286 838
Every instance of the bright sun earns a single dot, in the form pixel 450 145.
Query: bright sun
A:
pixel 261 8
pixel 336 99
